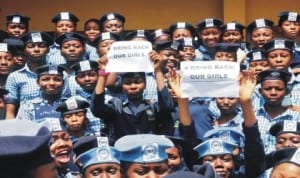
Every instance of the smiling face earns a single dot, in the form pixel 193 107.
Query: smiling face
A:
pixel 92 30
pixel 210 36
pixel 61 147
pixel 6 63
pixel 51 84
pixel 232 36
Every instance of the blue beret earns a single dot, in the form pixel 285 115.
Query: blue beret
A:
pixel 4 47
pixel 85 65
pixel 182 25
pixel 274 74
pixel 65 16
pixel 106 36
pixel 259 23
pixel 111 16
pixel 17 18
pixel 285 126
pixel 227 134
pixel 143 148
pixel 209 23
pixel 14 44
pixel 98 155
pixel 84 143
pixel 54 124
pixel 279 44
pixel 134 75
pixel 232 26
pixel 167 45
pixel 50 69
pixel 71 105
pixel 23 149
pixel 286 155
pixel 181 174
pixel 214 146
pixel 288 16
pixel 70 36
pixel 257 55
pixel 228 47
pixel 138 34
pixel 37 37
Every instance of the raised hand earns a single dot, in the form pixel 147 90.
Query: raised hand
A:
pixel 174 81
pixel 247 85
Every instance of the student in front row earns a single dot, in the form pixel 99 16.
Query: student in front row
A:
pixel 135 115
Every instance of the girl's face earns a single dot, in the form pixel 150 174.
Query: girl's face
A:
pixel 107 170
pixel 232 36
pixel 258 66
pixel 279 59
pixel 222 164
pixel 51 84
pixel 290 29
pixel 104 47
pixel 174 158
pixel 273 91
pixel 181 33
pixel 92 30
pixel 64 26
pixel 187 53
pixel 75 121
pixel 225 56
pixel 36 51
pixel 72 50
pixel 210 36
pixel 6 63
pixel 261 36
pixel 148 170
pixel 16 29
pixel 114 26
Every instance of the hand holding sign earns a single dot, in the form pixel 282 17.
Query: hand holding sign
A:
pixel 130 56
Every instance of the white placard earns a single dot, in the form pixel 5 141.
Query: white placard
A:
pixel 209 79
pixel 130 56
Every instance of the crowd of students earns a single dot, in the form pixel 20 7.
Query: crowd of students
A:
pixel 56 96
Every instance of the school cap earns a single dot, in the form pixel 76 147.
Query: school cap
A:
pixel 182 25
pixel 106 36
pixel 160 33
pixel 95 150
pixel 70 36
pixel 285 126
pixel 279 44
pixel 235 26
pixel 257 55
pixel 227 47
pixel 134 75
pixel 138 34
pixel 17 18
pixel 54 124
pixel 37 37
pixel 274 74
pixel 183 42
pixel 24 146
pixel 227 134
pixel 143 148
pixel 65 16
pixel 167 45
pixel 4 47
pixel 15 44
pixel 209 23
pixel 50 69
pixel 111 16
pixel 288 16
pixel 286 155
pixel 71 105
pixel 85 65
pixel 259 23
pixel 214 146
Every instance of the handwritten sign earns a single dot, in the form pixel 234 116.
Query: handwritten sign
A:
pixel 209 79
pixel 130 56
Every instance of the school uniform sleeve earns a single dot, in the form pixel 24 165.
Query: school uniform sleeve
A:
pixel 12 87
pixel 165 102
pixel 254 152
pixel 106 111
